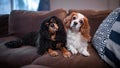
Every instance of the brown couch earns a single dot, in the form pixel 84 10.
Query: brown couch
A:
pixel 19 23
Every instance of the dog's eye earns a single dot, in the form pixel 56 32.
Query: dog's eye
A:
pixel 74 18
pixel 52 25
pixel 81 21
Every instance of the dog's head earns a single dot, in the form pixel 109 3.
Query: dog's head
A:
pixel 50 24
pixel 79 23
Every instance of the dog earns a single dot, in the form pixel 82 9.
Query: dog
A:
pixel 78 30
pixel 51 36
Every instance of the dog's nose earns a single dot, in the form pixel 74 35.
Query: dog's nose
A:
pixel 75 23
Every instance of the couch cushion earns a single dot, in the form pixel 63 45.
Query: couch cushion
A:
pixel 95 17
pixel 22 22
pixel 7 38
pixel 75 61
pixel 35 66
pixel 17 57
pixel 106 39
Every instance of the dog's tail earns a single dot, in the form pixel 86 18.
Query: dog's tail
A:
pixel 14 44
pixel 28 39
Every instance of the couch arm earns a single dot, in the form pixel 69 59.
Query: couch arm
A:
pixel 4 25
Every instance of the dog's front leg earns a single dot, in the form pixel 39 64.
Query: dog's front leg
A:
pixel 52 52
pixel 72 49
pixel 65 52
pixel 84 51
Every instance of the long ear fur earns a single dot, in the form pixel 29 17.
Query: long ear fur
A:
pixel 85 30
pixel 67 20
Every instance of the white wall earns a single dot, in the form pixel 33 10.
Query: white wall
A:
pixel 84 4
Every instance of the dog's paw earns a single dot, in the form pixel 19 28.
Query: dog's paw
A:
pixel 67 54
pixel 85 53
pixel 53 53
pixel 74 51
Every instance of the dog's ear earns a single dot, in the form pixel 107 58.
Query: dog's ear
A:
pixel 67 20
pixel 85 29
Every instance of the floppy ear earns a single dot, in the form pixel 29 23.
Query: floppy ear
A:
pixel 85 29
pixel 67 21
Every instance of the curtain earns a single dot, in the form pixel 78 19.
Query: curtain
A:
pixel 34 5
pixel 5 7
pixel 26 5
pixel 44 5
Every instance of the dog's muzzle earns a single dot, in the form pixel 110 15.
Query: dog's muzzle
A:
pixel 75 23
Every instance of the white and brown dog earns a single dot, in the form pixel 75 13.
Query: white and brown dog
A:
pixel 77 33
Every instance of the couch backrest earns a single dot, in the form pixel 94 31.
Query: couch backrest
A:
pixel 22 22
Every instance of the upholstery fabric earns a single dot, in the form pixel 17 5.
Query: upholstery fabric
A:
pixel 4 25
pixel 23 22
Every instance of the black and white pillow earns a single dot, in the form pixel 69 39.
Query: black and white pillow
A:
pixel 107 39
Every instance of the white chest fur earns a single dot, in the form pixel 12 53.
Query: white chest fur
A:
pixel 73 38
pixel 76 43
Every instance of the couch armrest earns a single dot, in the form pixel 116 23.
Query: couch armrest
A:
pixel 4 25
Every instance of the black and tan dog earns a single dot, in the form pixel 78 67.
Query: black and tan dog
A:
pixel 51 36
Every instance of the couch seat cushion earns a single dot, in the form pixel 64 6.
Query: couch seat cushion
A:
pixel 35 66
pixel 75 61
pixel 17 57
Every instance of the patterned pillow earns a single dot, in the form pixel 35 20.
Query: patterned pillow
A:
pixel 107 39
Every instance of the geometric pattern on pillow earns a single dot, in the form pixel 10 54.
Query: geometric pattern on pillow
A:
pixel 112 49
pixel 103 39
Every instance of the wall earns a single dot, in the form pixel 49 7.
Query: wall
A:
pixel 84 4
